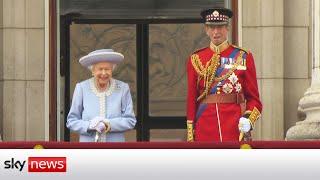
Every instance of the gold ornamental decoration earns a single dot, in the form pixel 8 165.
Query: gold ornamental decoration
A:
pixel 208 73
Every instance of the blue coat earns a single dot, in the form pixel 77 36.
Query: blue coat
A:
pixel 115 105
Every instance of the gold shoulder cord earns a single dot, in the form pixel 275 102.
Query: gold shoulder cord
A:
pixel 197 65
pixel 208 73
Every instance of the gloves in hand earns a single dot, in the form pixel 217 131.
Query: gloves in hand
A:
pixel 101 127
pixel 244 125
pixel 93 123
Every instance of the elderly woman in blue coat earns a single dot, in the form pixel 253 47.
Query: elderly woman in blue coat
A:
pixel 101 105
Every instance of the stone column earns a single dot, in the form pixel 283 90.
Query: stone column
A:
pixel 22 70
pixel 309 129
pixel 262 34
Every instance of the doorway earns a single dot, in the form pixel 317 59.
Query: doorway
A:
pixel 155 50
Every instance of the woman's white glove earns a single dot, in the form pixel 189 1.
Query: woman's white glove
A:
pixel 93 123
pixel 101 127
pixel 244 125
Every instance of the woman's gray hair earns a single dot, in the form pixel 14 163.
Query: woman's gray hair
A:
pixel 114 66
pixel 92 66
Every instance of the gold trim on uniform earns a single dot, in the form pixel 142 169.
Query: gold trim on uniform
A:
pixel 208 73
pixel 247 112
pixel 254 116
pixel 218 49
pixel 189 130
pixel 246 51
pixel 197 65
pixel 38 146
pixel 245 146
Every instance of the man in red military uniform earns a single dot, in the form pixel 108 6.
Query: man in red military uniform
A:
pixel 223 99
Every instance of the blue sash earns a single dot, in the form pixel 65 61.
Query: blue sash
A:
pixel 202 107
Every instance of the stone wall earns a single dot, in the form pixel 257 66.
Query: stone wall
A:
pixel 297 50
pixel 263 36
pixel 277 32
pixel 22 72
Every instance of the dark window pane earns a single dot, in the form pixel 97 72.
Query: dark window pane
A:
pixel 137 9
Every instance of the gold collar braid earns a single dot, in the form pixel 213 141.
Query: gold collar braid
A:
pixel 221 47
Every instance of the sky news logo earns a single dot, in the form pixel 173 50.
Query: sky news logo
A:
pixel 38 164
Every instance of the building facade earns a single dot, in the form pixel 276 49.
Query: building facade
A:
pixel 278 32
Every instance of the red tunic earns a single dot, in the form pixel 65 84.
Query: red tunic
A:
pixel 219 121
